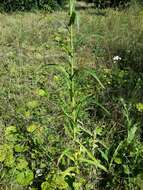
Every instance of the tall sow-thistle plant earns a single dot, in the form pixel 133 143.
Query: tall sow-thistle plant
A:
pixel 78 153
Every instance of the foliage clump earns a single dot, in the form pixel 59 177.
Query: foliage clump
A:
pixel 21 5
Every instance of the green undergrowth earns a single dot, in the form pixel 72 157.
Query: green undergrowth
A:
pixel 35 150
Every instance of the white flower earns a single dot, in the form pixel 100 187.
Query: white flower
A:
pixel 116 58
pixel 39 172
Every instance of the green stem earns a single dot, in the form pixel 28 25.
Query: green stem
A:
pixel 72 62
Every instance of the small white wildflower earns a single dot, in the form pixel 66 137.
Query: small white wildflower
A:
pixel 39 172
pixel 116 58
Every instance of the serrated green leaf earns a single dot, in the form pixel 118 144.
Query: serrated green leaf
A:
pixel 20 148
pixel 22 164
pixel 10 133
pixel 10 129
pixel 25 177
pixel 6 155
pixel 10 160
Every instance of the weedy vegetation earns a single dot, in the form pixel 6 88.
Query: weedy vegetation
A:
pixel 71 106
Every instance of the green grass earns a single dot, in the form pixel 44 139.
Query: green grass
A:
pixel 28 44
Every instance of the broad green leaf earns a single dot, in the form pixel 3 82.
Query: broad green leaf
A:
pixel 6 155
pixel 27 114
pixel 77 185
pixel 10 129
pixel 25 177
pixel 10 160
pixel 41 92
pixel 10 133
pixel 22 164
pixel 20 148
pixel 104 154
pixel 56 78
pixel 31 128
pixel 118 160
pixel 131 134
pixel 60 182
pixel 32 104
pixel 58 38
pixel 139 107
pixel 126 169
pixel 2 153
pixel 99 130
pixel 45 186
pixel 42 165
